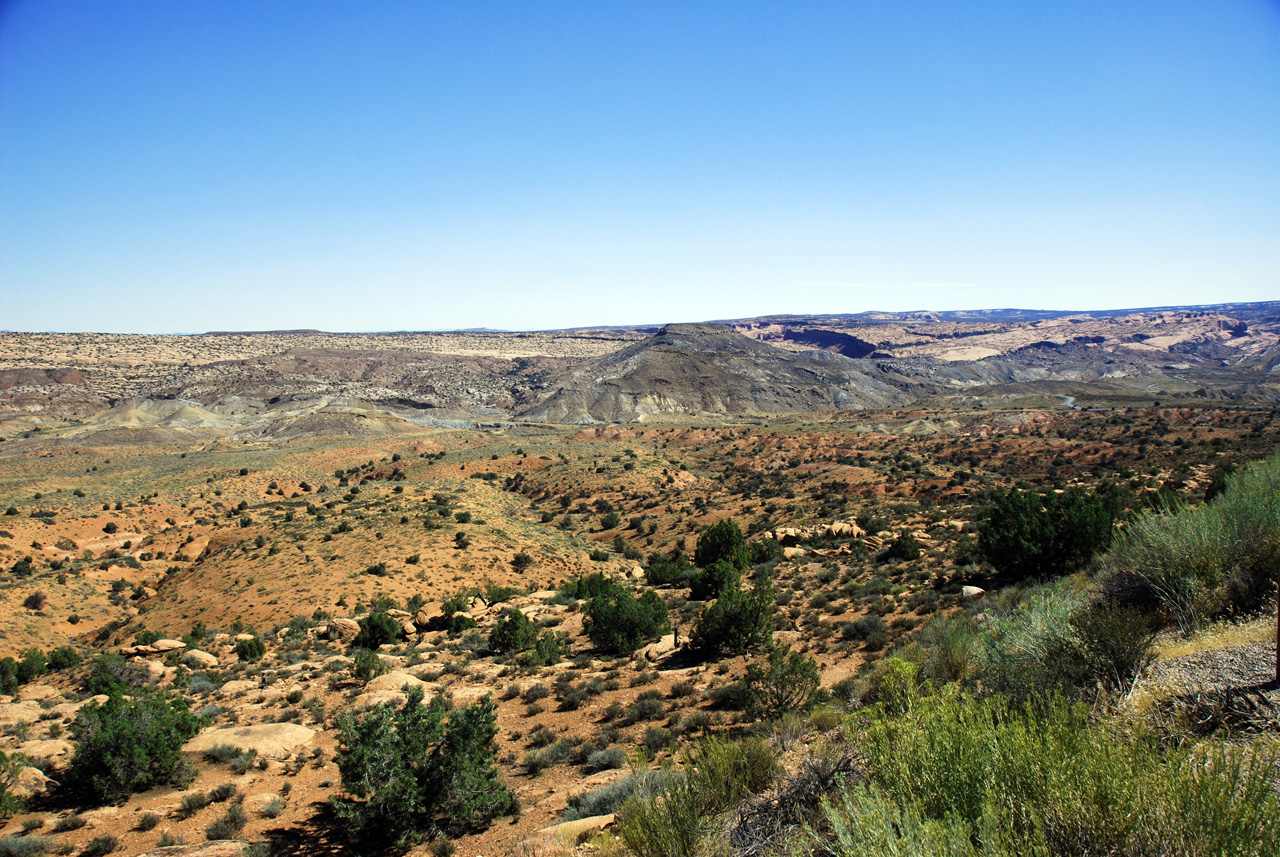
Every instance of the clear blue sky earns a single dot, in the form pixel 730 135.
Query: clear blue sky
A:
pixel 185 166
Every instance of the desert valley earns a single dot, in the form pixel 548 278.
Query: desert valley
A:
pixel 746 587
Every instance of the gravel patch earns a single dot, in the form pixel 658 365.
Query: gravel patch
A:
pixel 1219 669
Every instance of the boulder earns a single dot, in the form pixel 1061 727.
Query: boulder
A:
pixel 560 838
pixel 239 686
pixel 155 669
pixel 410 630
pixel 241 638
pixel 30 782
pixel 393 681
pixel 57 751
pixel 162 646
pixel 972 592
pixel 665 646
pixel 424 616
pixel 469 694
pixel 343 629
pixel 787 535
pixel 399 615
pixel 568 831
pixel 270 740
pixel 197 658
pixel 38 692
pixel 793 553
pixel 394 698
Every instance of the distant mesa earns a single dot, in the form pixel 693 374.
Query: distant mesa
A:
pixel 706 370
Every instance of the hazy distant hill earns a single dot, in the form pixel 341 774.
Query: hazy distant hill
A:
pixel 772 364
pixel 704 369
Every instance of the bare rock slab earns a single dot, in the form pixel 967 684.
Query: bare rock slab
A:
pixel 270 740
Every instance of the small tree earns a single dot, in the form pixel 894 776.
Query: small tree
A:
pixel 722 540
pixel 377 629
pixel 367 665
pixel 737 622
pixel 1025 534
pixel 408 770
pixel 513 633
pixel 36 600
pixel 904 547
pixel 127 746
pixel 619 622
pixel 250 650
pixel 783 681
pixel 709 582
pixel 32 665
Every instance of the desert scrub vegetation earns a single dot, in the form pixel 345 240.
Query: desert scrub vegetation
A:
pixel 10 768
pixel 679 809
pixel 130 745
pixel 411 771
pixel 1026 534
pixel 1190 564
pixel 947 774
pixel 619 622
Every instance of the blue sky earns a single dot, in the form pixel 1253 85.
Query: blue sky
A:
pixel 187 166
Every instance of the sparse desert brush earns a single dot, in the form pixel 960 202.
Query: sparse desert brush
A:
pixel 1043 778
pixel 683 806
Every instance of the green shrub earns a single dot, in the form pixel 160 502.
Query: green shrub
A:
pixel 710 582
pixel 191 803
pixel 250 650
pixel 63 658
pixel 366 665
pixel 1042 780
pixel 1055 640
pixel 587 586
pixel 722 540
pixel 1194 564
pixel 110 673
pixel 611 797
pixel 460 622
pixel 10 767
pixel 222 753
pixel 1025 534
pixel 409 769
pixel 457 602
pixel 231 823
pixel 737 622
pixel 514 632
pixel 663 572
pixel 904 547
pixel 782 682
pixel 26 846
pixel 616 621
pixel 145 637
pixel 606 759
pixel 127 746
pixel 69 822
pixel 496 593
pixel 377 629
pixel 100 845
pixel 31 665
pixel 685 805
